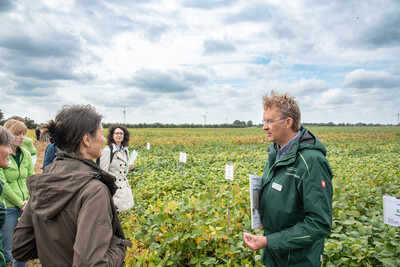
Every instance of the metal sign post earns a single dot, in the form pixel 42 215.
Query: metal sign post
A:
pixel 229 176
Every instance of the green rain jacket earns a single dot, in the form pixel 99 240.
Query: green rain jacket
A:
pixel 14 179
pixel 28 145
pixel 296 204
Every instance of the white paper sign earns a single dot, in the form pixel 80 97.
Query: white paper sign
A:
pixel 34 159
pixel 182 157
pixel 255 188
pixel 148 146
pixel 391 211
pixel 132 158
pixel 229 172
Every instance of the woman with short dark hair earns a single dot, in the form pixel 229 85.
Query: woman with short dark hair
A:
pixel 70 219
pixel 114 159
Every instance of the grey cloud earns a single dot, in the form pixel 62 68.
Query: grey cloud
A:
pixel 207 4
pixel 6 5
pixel 363 79
pixel 384 31
pixel 251 13
pixel 212 47
pixel 166 82
pixel 127 97
pixel 25 87
pixel 42 53
pixel 307 86
pixel 154 31
pixel 42 43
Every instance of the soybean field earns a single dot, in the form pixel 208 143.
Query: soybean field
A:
pixel 181 209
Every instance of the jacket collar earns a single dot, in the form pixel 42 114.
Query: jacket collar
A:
pixel 102 176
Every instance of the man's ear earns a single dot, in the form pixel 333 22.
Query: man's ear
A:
pixel 289 122
pixel 86 140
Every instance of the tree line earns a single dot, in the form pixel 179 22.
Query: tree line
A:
pixel 31 124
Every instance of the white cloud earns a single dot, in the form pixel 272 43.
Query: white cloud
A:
pixel 363 79
pixel 171 60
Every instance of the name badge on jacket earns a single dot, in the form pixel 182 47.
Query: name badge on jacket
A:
pixel 276 186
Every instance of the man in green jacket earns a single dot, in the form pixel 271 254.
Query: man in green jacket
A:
pixel 296 194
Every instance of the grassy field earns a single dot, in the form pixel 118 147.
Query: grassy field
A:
pixel 181 210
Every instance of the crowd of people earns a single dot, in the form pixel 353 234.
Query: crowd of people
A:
pixel 68 215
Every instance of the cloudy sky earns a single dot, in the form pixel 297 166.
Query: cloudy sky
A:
pixel 172 61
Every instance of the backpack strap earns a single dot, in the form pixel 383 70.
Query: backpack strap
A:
pixel 111 153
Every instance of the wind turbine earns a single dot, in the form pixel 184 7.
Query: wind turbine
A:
pixel 124 115
pixel 205 118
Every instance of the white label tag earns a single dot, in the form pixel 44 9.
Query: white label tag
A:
pixel 276 186
pixel 229 172
pixel 182 157
pixel 148 146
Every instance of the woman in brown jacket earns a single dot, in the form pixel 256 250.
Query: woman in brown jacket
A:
pixel 70 219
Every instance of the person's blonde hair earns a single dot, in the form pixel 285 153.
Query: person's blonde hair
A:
pixel 16 127
pixel 6 136
pixel 287 105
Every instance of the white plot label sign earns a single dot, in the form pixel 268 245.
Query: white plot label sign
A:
pixel 391 210
pixel 229 172
pixel 182 157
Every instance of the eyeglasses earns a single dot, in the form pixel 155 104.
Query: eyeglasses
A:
pixel 268 122
pixel 118 133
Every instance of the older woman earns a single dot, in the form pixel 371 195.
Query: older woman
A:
pixel 114 159
pixel 15 193
pixel 70 219
pixel 6 139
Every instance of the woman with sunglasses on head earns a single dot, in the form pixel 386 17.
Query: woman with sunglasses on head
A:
pixel 114 159
pixel 15 193
pixel 70 219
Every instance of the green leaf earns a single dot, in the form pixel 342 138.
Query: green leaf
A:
pixel 392 232
pixel 389 262
pixel 194 260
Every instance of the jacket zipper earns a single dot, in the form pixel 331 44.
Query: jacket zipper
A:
pixel 19 174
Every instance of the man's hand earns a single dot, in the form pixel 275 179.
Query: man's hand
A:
pixel 255 242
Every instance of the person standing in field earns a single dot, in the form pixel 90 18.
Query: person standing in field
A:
pixel 71 219
pixel 6 139
pixel 50 153
pixel 28 143
pixel 37 132
pixel 15 193
pixel 296 194
pixel 114 159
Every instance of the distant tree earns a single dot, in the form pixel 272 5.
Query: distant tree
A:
pixel 30 124
pixel 1 117
pixel 249 123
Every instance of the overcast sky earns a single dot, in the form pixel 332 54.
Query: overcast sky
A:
pixel 172 61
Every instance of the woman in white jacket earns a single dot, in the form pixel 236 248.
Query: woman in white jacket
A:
pixel 114 159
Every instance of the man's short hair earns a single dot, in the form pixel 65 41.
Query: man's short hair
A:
pixel 287 105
